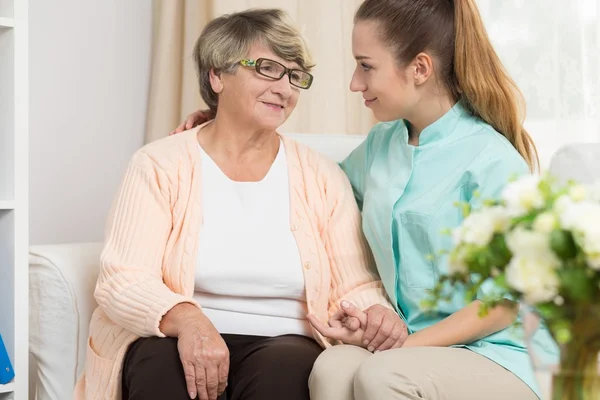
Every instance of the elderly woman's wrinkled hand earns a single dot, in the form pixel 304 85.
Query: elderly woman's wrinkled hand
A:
pixel 194 119
pixel 205 359
pixel 384 329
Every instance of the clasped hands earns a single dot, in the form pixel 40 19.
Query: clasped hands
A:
pixel 377 328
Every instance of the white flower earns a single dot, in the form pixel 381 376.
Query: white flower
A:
pixel 479 227
pixel 534 276
pixel 545 223
pixel 577 192
pixel 589 239
pixel 523 242
pixel 531 271
pixel 562 204
pixel 523 195
pixel 583 219
pixel 590 235
pixel 571 214
pixel 559 300
pixel 594 192
pixel 589 219
pixel 594 261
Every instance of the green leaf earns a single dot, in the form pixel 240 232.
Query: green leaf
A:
pixel 491 203
pixel 561 330
pixel 545 188
pixel 500 282
pixel 500 253
pixel 547 311
pixel 472 288
pixel 563 244
pixel 479 261
pixel 466 209
pixel 577 285
pixel 484 309
pixel 526 220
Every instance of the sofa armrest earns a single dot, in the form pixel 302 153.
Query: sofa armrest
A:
pixel 578 161
pixel 62 280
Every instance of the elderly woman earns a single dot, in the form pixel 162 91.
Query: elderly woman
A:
pixel 223 238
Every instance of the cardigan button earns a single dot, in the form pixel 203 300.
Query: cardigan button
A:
pixel 294 228
pixel 307 265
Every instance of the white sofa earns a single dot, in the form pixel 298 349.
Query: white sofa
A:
pixel 62 279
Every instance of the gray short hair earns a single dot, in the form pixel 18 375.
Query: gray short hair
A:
pixel 226 40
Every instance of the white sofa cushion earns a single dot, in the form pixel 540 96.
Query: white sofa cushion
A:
pixel 61 284
pixel 334 147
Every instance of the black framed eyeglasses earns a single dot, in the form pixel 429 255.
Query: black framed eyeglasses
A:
pixel 274 70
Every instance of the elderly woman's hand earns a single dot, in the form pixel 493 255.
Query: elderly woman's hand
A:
pixel 203 353
pixel 340 326
pixel 384 330
pixel 194 119
pixel 205 359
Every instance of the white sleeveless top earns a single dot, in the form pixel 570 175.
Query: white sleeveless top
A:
pixel 249 277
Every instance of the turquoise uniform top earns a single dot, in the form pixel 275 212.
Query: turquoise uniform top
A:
pixel 408 194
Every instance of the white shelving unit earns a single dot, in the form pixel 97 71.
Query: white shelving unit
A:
pixel 7 22
pixel 7 205
pixel 14 218
pixel 7 389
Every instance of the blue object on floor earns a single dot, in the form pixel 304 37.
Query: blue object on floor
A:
pixel 6 370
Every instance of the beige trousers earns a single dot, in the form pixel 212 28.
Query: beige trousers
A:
pixel 412 373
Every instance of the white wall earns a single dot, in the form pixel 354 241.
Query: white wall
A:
pixel 89 71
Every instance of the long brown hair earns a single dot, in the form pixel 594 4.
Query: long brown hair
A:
pixel 453 32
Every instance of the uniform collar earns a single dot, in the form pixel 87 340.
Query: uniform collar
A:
pixel 443 128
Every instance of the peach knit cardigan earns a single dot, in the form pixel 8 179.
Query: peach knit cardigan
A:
pixel 148 262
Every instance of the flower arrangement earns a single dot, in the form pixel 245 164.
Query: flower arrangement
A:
pixel 540 245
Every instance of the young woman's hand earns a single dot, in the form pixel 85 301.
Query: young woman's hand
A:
pixel 194 119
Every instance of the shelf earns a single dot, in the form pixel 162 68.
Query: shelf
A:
pixel 7 113
pixel 8 388
pixel 7 205
pixel 7 23
pixel 14 219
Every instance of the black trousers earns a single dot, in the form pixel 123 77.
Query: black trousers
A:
pixel 261 368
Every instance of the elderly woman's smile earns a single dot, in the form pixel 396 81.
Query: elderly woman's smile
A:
pixel 274 106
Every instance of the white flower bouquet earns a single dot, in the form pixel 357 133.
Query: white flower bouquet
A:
pixel 540 245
